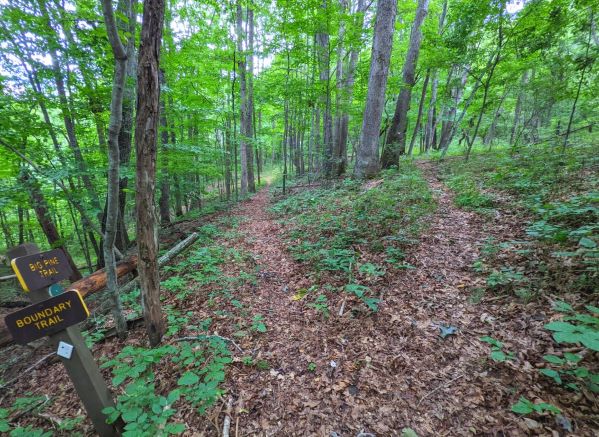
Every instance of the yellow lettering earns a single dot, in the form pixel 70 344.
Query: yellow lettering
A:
pixel 51 321
pixel 48 312
pixel 27 320
pixel 62 306
pixel 59 319
pixel 20 323
pixel 68 303
pixel 43 324
pixel 37 325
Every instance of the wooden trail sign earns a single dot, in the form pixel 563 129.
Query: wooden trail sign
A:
pixel 70 345
pixel 41 269
pixel 46 317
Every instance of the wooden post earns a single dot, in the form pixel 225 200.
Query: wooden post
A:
pixel 81 367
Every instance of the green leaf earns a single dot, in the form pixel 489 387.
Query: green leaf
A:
pixel 590 340
pixel 188 378
pixel 587 242
pixel 553 359
pixel 561 306
pixel 592 309
pixel 408 432
pixel 523 406
pixel 552 374
pixel 498 356
pixel 174 428
pixel 561 326
pixel 572 358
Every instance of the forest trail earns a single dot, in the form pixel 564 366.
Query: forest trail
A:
pixel 376 372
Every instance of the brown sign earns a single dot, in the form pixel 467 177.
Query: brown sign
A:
pixel 46 317
pixel 41 269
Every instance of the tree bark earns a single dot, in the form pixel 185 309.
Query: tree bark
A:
pixel 249 128
pixel 146 132
pixel 419 116
pixel 164 202
pixel 367 162
pixel 112 196
pixel 42 211
pixel 395 144
pixel 518 108
pixel 323 52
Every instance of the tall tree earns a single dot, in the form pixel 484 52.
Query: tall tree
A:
pixel 395 144
pixel 146 139
pixel 367 159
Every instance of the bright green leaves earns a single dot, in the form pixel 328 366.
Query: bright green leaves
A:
pixel 524 406
pixel 188 378
pixel 497 352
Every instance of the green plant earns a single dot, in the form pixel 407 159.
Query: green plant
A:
pixel 524 406
pixel 258 323
pixel 311 367
pixel 497 352
pixel 321 305
pixel 371 269
pixel 360 291
pixel 580 328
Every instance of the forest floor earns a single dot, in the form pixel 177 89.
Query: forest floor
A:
pixel 365 372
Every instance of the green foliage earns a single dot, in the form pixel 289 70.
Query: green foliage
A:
pixel 469 194
pixel 524 407
pixel 498 354
pixel 26 403
pixel 311 367
pixel 320 304
pixel 147 412
pixel 258 323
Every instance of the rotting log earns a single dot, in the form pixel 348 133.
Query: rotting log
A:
pixel 97 280
pixel 164 259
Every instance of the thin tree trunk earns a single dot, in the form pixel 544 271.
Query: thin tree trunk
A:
pixel 42 211
pixel 146 133
pixel 126 133
pixel 367 162
pixel 250 102
pixel 582 73
pixel 243 134
pixel 518 109
pixel 112 197
pixel 165 215
pixel 419 117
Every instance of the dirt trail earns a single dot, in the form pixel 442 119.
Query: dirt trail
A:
pixel 383 372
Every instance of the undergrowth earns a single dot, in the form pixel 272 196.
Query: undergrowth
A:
pixel 328 228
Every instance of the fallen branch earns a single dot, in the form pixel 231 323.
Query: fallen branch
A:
pixel 445 384
pixel 27 370
pixel 164 259
pixel 227 421
pixel 7 278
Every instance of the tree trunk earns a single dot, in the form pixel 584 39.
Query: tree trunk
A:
pixel 243 134
pixel 42 211
pixel 146 133
pixel 165 215
pixel 395 145
pixel 323 51
pixel 490 135
pixel 112 196
pixel 250 102
pixel 419 116
pixel 518 109
pixel 126 133
pixel 367 162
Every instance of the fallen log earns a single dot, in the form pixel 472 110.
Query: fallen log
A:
pixel 164 259
pixel 97 280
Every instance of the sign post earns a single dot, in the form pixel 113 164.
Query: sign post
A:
pixel 57 317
